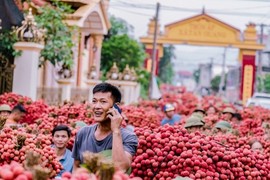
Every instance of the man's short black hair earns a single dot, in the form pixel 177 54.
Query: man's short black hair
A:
pixel 106 87
pixel 19 108
pixel 200 110
pixel 238 116
pixel 61 128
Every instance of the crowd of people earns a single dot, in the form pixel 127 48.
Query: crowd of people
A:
pixel 113 136
pixel 228 118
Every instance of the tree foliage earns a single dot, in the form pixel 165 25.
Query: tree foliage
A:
pixel 260 83
pixel 121 48
pixel 58 38
pixel 196 75
pixel 166 72
pixel 267 83
pixel 119 27
pixel 7 39
pixel 215 82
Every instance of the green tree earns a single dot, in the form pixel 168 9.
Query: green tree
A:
pixel 120 47
pixel 7 39
pixel 267 83
pixel 196 75
pixel 143 79
pixel 120 26
pixel 58 38
pixel 215 83
pixel 123 50
pixel 166 72
pixel 260 83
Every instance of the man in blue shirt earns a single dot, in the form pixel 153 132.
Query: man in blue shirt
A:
pixel 171 117
pixel 61 135
pixel 106 136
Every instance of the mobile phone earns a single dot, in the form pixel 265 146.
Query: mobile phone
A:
pixel 118 108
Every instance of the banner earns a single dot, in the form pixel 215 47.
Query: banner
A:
pixel 248 77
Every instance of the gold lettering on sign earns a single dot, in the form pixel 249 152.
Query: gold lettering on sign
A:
pixel 204 30
pixel 247 83
pixel 194 33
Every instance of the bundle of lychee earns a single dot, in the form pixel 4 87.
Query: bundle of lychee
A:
pixel 96 167
pixel 16 143
pixel 170 151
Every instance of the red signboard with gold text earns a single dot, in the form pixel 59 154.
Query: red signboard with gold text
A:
pixel 248 77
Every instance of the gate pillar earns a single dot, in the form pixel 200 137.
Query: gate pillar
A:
pixel 247 74
pixel 25 76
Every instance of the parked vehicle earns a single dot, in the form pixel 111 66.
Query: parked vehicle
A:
pixel 259 99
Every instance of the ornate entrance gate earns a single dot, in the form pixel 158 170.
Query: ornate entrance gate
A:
pixel 206 30
pixel 6 74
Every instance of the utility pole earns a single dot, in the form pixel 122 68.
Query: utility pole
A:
pixel 222 80
pixel 259 67
pixel 211 67
pixel 154 50
pixel 259 70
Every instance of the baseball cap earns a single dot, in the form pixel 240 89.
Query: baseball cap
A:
pixel 169 107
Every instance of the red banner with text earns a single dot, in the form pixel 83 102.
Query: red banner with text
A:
pixel 248 77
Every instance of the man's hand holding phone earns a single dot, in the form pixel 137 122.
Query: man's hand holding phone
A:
pixel 116 119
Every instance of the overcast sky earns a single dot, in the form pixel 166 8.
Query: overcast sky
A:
pixel 236 13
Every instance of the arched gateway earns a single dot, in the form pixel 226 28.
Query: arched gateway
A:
pixel 208 31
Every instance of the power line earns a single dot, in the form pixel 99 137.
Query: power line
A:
pixel 261 1
pixel 254 7
pixel 133 12
pixel 264 17
pixel 170 8
pixel 255 0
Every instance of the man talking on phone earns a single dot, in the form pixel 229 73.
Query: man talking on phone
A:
pixel 106 135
